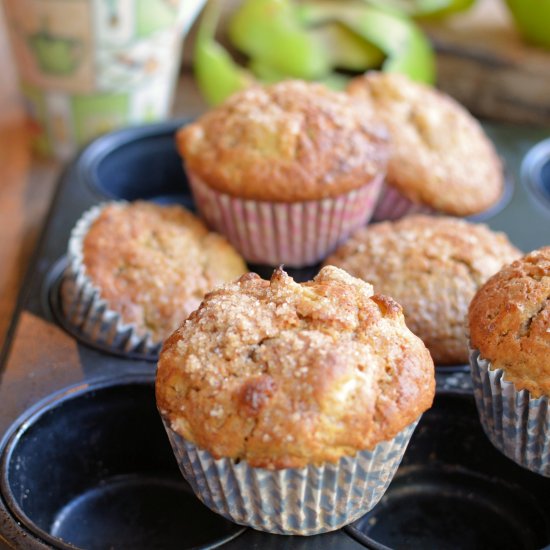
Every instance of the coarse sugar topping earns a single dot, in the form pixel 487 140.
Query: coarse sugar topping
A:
pixel 283 374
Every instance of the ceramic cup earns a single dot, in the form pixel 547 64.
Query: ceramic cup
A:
pixel 114 65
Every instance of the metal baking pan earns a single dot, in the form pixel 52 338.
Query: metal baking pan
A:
pixel 84 461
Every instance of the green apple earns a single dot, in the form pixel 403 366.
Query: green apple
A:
pixel 345 49
pixel 269 30
pixel 312 40
pixel 432 9
pixel 218 76
pixel 407 50
pixel 267 74
pixel 454 6
pixel 532 18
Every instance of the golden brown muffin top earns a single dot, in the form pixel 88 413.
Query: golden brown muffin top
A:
pixel 291 141
pixel 283 374
pixel 153 264
pixel 432 266
pixel 510 322
pixel 440 154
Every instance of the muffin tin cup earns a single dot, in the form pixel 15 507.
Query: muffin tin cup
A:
pixel 292 501
pixel 455 491
pixel 295 234
pixel 515 423
pixel 393 205
pixel 91 468
pixel 84 308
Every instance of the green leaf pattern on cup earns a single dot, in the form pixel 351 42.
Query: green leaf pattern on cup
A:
pixel 56 55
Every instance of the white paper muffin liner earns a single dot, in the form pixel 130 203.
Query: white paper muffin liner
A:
pixel 83 307
pixel 393 205
pixel 515 423
pixel 295 234
pixel 292 501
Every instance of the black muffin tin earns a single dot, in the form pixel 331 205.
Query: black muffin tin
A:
pixel 85 461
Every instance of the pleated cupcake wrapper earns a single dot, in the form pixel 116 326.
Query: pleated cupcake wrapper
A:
pixel 292 501
pixel 393 205
pixel 83 306
pixel 516 423
pixel 295 234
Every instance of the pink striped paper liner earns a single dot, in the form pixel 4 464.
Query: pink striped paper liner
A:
pixel 295 234
pixel 393 205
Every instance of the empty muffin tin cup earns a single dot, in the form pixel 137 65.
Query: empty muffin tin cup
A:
pixel 92 468
pixel 84 308
pixel 136 163
pixel 291 501
pixel 455 491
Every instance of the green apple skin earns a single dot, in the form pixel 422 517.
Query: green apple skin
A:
pixel 532 18
pixel 455 6
pixel 345 49
pixel 406 47
pixel 309 43
pixel 218 75
pixel 269 30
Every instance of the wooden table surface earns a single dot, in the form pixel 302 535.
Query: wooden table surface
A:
pixel 26 186
pixel 480 57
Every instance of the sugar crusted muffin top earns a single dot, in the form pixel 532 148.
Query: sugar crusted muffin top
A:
pixel 440 154
pixel 432 266
pixel 283 374
pixel 291 141
pixel 153 264
pixel 509 321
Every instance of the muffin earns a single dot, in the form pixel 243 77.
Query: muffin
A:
pixel 289 406
pixel 509 321
pixel 441 160
pixel 285 171
pixel 432 266
pixel 136 271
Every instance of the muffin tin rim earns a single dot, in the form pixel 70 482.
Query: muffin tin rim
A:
pixel 531 166
pixel 97 151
